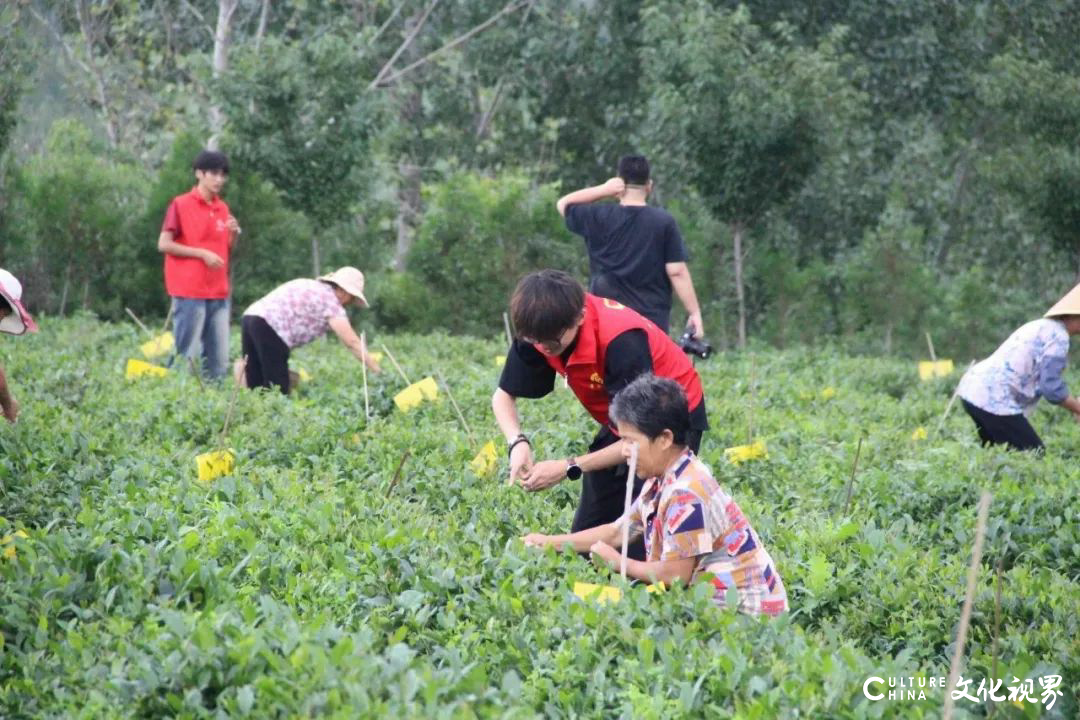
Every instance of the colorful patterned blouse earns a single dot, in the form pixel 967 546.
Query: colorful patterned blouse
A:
pixel 688 515
pixel 298 311
pixel 1026 367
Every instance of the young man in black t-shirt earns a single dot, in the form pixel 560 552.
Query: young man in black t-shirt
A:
pixel 636 254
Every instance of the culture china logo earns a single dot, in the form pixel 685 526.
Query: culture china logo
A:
pixel 1019 692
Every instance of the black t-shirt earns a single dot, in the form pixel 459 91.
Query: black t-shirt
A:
pixel 629 246
pixel 527 374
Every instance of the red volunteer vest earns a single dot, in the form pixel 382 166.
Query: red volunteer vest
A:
pixel 604 321
pixel 202 225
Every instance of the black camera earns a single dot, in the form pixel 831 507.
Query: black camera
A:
pixel 692 346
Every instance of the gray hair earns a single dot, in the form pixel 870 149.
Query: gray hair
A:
pixel 652 405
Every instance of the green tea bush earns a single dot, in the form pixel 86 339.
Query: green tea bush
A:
pixel 305 584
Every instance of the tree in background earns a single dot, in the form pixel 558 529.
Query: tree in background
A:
pixel 749 117
pixel 478 236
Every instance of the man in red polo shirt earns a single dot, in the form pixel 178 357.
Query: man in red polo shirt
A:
pixel 196 237
pixel 600 347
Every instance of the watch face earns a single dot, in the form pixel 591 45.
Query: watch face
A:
pixel 573 472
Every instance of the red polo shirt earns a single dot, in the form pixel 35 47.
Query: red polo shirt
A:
pixel 584 370
pixel 195 222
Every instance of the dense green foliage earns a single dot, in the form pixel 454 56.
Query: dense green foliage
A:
pixel 892 167
pixel 303 585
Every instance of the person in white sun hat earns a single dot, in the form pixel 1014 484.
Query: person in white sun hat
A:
pixel 14 320
pixel 294 314
pixel 1000 392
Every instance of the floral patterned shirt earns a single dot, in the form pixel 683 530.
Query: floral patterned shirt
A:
pixel 1026 367
pixel 686 514
pixel 298 311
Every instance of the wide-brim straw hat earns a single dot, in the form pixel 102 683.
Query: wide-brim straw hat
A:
pixel 19 321
pixel 350 280
pixel 1068 305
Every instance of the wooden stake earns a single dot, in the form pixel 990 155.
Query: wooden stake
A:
pixel 461 417
pixel 397 473
pixel 851 480
pixel 168 317
pixel 930 344
pixel 509 335
pixel 138 322
pixel 232 404
pixel 196 373
pixel 626 507
pixel 363 367
pixel 750 407
pixel 948 408
pixel 969 599
pixel 393 362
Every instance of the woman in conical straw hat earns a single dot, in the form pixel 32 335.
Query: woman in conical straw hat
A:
pixel 14 320
pixel 1000 392
pixel 294 314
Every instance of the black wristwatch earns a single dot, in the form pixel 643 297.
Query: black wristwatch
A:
pixel 573 470
pixel 515 442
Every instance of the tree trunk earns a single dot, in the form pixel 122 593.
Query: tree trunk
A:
pixel 408 211
pixel 740 290
pixel 315 260
pixel 67 286
pixel 89 35
pixel 226 8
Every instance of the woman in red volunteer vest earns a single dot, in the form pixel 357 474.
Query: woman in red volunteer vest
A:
pixel 600 347
pixel 197 238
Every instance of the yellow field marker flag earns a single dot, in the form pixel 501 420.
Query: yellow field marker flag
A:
pixel 742 453
pixel 416 394
pixel 930 369
pixel 161 345
pixel 484 462
pixel 214 464
pixel 500 360
pixel 139 368
pixel 8 543
pixel 606 593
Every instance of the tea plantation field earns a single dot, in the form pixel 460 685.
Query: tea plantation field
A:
pixel 302 585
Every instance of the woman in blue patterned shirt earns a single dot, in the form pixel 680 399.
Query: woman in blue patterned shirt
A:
pixel 1000 392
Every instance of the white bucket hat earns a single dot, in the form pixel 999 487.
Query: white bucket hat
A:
pixel 18 321
pixel 350 280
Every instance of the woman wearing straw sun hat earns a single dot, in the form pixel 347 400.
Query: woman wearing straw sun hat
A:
pixel 1000 392
pixel 294 314
pixel 14 320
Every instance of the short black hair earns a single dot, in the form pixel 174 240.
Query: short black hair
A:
pixel 211 160
pixel 652 405
pixel 545 304
pixel 634 169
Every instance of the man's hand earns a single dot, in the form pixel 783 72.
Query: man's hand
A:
pixel 521 463
pixel 695 322
pixel 11 410
pixel 234 227
pixel 545 474
pixel 615 187
pixel 212 259
pixel 605 555
pixel 536 540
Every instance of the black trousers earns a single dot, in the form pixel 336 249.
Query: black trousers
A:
pixel 267 355
pixel 603 492
pixel 1012 430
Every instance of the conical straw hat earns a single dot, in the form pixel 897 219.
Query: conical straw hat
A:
pixel 1068 305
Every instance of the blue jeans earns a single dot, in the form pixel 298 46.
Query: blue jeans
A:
pixel 202 325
